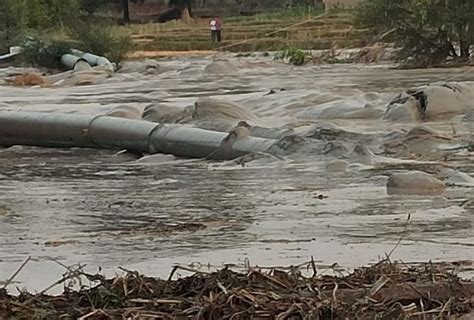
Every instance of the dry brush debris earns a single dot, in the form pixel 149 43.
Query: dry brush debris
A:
pixel 387 290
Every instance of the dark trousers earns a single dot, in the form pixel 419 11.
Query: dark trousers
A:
pixel 216 35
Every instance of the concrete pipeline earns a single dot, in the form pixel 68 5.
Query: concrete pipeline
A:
pixel 105 132
pixel 70 60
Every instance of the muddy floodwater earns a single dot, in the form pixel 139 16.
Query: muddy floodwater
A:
pixel 103 208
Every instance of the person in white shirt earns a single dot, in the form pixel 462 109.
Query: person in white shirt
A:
pixel 215 25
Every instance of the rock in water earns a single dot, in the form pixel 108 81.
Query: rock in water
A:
pixel 161 113
pixel 403 107
pixel 210 114
pixel 210 109
pixel 337 166
pixel 435 101
pixel 336 149
pixel 455 177
pixel 414 183
pixel 420 140
pixel 147 66
pixel 125 111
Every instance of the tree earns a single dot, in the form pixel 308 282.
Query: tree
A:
pixel 31 24
pixel 427 31
pixel 461 16
pixel 12 23
pixel 184 6
pixel 126 12
pixel 92 6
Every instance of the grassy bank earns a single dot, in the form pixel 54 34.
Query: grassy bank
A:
pixel 264 32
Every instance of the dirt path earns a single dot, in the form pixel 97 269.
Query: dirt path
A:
pixel 141 54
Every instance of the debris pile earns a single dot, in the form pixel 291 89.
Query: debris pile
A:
pixel 387 290
pixel 29 79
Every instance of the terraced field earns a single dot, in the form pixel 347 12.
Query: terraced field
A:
pixel 257 33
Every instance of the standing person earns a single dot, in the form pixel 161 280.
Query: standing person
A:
pixel 213 27
pixel 219 28
pixel 215 24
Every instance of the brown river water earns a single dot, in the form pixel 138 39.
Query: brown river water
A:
pixel 100 208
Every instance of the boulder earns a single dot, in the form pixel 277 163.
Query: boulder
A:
pixel 414 183
pixel 455 177
pixel 125 111
pixel 361 150
pixel 211 114
pixel 432 102
pixel 221 68
pixel 146 66
pixel 403 108
pixel 211 109
pixel 161 113
pixel 361 153
pixel 420 140
pixel 337 166
pixel 336 149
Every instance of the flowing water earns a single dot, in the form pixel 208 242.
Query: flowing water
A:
pixel 106 209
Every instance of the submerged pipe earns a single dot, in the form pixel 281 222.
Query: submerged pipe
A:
pixel 16 50
pixel 105 132
pixel 70 60
pixel 96 60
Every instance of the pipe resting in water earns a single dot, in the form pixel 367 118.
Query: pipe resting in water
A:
pixel 104 132
pixel 70 60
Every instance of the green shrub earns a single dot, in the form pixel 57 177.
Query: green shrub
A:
pixel 294 56
pixel 99 38
pixel 12 23
pixel 94 37
pixel 21 18
pixel 44 53
pixel 428 32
